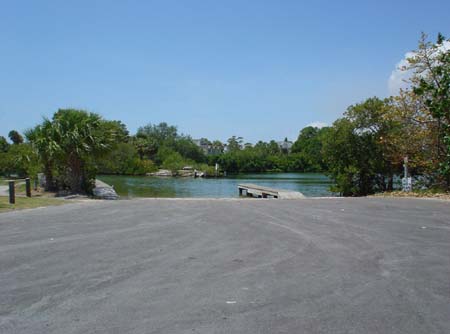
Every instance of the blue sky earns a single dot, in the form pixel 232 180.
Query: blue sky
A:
pixel 257 69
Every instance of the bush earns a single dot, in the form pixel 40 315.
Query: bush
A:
pixel 20 159
pixel 174 162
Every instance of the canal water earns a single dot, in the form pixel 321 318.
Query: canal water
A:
pixel 310 184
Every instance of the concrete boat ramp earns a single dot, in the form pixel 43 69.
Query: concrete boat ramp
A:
pixel 254 190
pixel 199 266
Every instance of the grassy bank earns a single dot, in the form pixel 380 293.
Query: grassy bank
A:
pixel 28 203
pixel 416 193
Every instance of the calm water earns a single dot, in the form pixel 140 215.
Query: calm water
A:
pixel 310 184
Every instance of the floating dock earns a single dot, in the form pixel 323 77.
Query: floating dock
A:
pixel 254 190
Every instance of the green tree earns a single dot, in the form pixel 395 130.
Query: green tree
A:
pixel 43 138
pixel 150 139
pixel 21 160
pixel 76 139
pixel 15 137
pixel 217 147
pixel 415 135
pixel 351 156
pixel 124 160
pixel 234 143
pixel 188 149
pixel 160 133
pixel 309 145
pixel 3 144
pixel 431 81
pixel 371 117
pixel 273 147
pixel 122 133
pixel 174 162
pixel 361 149
pixel 145 147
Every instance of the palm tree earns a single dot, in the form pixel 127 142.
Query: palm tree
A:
pixel 83 137
pixel 42 138
pixel 70 144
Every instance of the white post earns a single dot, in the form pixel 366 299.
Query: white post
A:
pixel 405 166
pixel 406 181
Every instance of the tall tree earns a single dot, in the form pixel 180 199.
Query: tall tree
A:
pixel 71 143
pixel 15 137
pixel 234 143
pixel 309 145
pixel 371 118
pixel 352 158
pixel 3 144
pixel 217 147
pixel 431 81
pixel 44 139
pixel 160 133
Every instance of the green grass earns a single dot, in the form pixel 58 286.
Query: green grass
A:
pixel 21 188
pixel 429 193
pixel 19 185
pixel 28 203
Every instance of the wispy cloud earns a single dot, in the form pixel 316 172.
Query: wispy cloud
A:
pixel 398 78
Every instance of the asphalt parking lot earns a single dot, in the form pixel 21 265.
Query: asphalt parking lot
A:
pixel 363 265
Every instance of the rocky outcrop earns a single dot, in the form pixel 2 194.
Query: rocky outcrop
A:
pixel 185 172
pixel 161 172
pixel 104 191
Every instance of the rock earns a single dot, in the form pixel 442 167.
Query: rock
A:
pixel 161 172
pixel 104 191
pixel 186 173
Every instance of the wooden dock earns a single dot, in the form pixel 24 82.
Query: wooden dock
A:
pixel 254 190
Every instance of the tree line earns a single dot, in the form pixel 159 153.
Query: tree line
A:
pixel 362 151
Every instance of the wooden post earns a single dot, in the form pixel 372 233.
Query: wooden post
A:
pixel 28 186
pixel 12 194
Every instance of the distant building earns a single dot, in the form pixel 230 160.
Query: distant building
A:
pixel 207 147
pixel 285 145
pixel 203 144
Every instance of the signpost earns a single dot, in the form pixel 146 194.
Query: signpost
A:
pixel 406 181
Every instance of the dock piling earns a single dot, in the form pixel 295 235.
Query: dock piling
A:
pixel 12 193
pixel 28 186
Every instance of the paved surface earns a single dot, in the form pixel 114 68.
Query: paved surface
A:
pixel 242 266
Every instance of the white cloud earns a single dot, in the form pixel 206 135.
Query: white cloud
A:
pixel 398 78
pixel 318 124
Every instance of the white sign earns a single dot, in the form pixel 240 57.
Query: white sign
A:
pixel 407 184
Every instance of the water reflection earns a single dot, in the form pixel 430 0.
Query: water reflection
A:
pixel 310 184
